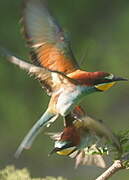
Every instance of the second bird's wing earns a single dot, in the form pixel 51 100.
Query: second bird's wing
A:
pixel 100 128
pixel 85 158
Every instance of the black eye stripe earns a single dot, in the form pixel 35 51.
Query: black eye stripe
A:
pixel 101 81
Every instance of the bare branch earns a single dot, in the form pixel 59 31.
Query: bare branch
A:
pixel 116 166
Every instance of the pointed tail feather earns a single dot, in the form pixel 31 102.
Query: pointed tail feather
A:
pixel 44 121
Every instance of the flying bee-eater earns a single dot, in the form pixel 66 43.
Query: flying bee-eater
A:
pixel 55 66
pixel 84 139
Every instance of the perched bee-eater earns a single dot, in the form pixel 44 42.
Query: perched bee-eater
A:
pixel 55 66
pixel 83 139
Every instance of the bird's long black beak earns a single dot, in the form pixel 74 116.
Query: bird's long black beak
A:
pixel 119 79
pixel 54 151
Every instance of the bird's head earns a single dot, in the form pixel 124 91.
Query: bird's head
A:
pixel 102 81
pixel 68 142
pixel 105 81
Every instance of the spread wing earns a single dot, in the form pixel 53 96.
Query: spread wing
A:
pixel 85 158
pixel 83 121
pixel 99 127
pixel 43 74
pixel 49 44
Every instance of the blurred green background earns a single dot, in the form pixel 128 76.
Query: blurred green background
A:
pixel 99 33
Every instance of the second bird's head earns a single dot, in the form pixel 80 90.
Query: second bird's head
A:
pixel 68 142
pixel 101 81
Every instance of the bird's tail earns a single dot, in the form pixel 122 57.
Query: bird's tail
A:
pixel 45 121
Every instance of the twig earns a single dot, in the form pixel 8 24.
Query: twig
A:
pixel 116 166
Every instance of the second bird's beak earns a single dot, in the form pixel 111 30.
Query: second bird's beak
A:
pixel 54 151
pixel 108 85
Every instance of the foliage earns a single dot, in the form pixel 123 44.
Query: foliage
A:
pixel 10 173
pixel 124 140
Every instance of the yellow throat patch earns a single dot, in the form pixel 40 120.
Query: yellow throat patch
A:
pixel 65 152
pixel 104 87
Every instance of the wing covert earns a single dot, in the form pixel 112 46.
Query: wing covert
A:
pixel 50 46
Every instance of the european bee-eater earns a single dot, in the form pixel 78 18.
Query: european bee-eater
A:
pixel 55 67
pixel 83 139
